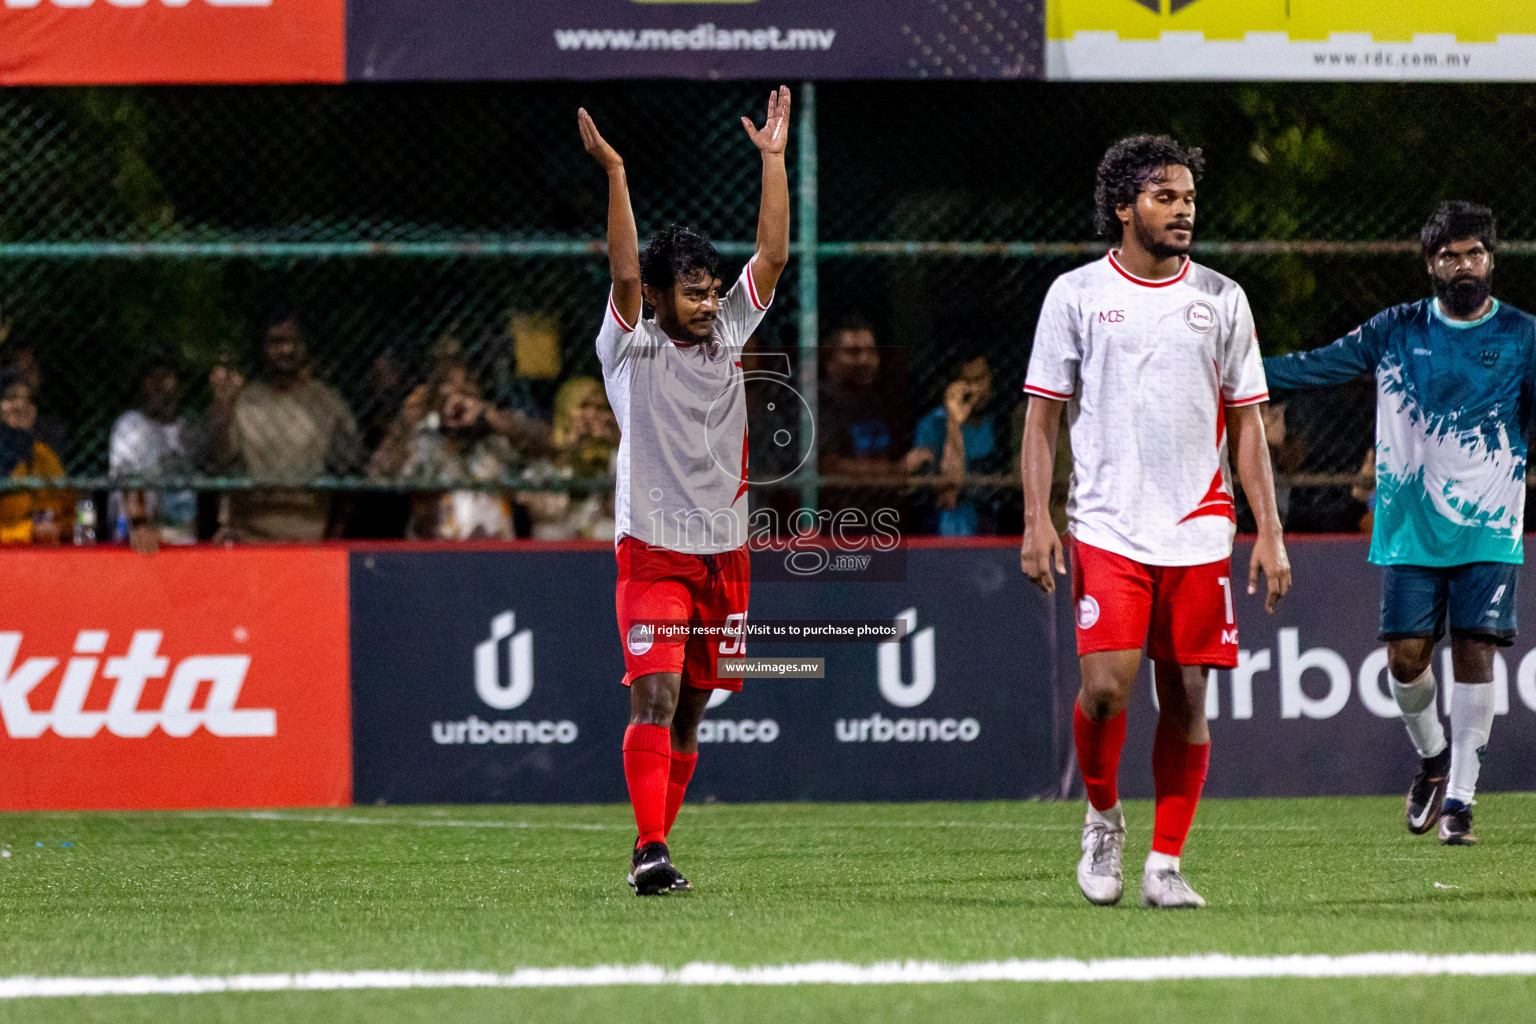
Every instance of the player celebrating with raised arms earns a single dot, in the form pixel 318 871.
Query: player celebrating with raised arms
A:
pixel 1454 377
pixel 1156 361
pixel 675 383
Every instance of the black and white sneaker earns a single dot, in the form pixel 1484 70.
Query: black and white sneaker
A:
pixel 1427 793
pixel 1456 825
pixel 651 871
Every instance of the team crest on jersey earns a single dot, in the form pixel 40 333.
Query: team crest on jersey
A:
pixel 1490 356
pixel 641 638
pixel 1087 612
pixel 1200 316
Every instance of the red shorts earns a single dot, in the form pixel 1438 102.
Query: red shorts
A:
pixel 1178 613
pixel 661 584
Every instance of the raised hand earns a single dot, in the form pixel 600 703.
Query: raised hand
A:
pixel 226 382
pixel 463 411
pixel 774 134
pixel 959 401
pixel 595 144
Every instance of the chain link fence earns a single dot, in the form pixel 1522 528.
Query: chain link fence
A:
pixel 413 230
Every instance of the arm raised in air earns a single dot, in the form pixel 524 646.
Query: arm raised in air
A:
pixel 623 239
pixel 773 214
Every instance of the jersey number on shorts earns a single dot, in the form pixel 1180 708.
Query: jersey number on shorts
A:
pixel 735 634
pixel 1228 636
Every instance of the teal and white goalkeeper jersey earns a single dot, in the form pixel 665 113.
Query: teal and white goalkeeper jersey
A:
pixel 1452 403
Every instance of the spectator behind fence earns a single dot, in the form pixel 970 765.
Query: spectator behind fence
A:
pixel 957 439
pixel 862 430
pixel 584 446
pixel 285 427
pixel 28 517
pixel 437 441
pixel 1287 452
pixel 152 441
pixel 22 360
pixel 381 515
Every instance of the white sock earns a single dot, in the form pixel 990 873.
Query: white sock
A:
pixel 1114 817
pixel 1160 862
pixel 1471 722
pixel 1416 700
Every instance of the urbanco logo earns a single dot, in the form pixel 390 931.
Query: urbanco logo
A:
pixel 519 685
pixel 888 657
pixel 896 690
pixel 130 673
pixel 504 695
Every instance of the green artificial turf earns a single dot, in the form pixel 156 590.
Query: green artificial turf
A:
pixel 497 888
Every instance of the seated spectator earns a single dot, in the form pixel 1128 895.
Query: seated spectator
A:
pixel 957 439
pixel 584 446
pixel 862 425
pixel 50 429
pixel 28 517
pixel 437 442
pixel 153 441
pixel 284 427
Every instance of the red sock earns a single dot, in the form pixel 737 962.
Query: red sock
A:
pixel 1178 774
pixel 647 757
pixel 1098 756
pixel 677 784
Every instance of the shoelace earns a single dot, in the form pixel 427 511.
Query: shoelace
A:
pixel 1177 884
pixel 1102 854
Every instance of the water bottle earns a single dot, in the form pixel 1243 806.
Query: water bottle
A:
pixel 85 523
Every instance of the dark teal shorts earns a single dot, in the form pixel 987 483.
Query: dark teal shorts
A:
pixel 1477 599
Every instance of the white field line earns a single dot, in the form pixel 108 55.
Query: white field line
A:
pixel 328 819
pixel 911 972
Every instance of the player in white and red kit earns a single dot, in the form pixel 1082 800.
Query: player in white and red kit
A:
pixel 1156 361
pixel 676 385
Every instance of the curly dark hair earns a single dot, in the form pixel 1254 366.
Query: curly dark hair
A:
pixel 1127 167
pixel 676 251
pixel 1454 221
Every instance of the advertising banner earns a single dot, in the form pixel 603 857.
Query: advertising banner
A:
pixel 494 676
pixel 707 39
pixel 205 678
pixel 1309 710
pixel 1348 40
pixel 48 42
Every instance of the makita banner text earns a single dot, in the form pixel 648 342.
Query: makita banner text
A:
pixel 204 678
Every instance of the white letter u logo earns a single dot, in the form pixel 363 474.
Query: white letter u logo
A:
pixel 519 666
pixel 892 688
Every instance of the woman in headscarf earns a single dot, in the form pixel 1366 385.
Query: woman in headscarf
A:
pixel 28 517
pixel 585 443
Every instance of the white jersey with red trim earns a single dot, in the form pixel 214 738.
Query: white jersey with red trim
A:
pixel 682 414
pixel 1146 368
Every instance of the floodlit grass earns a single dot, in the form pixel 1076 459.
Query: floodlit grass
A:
pixel 498 888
